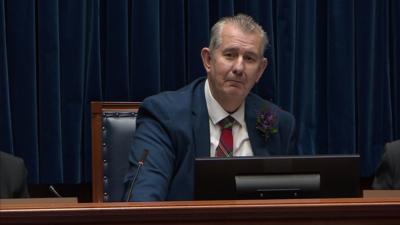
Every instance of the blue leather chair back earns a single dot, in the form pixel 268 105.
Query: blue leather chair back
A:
pixel 118 130
pixel 116 127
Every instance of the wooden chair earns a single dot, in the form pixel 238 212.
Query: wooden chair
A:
pixel 113 126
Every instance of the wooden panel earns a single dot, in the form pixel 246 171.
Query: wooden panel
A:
pixel 97 109
pixel 28 201
pixel 365 211
pixel 381 193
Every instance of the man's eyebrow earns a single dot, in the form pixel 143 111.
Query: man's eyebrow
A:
pixel 251 53
pixel 230 49
pixel 233 49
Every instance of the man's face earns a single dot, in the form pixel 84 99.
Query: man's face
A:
pixel 235 66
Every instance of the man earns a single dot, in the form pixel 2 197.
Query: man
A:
pixel 12 177
pixel 176 127
pixel 388 173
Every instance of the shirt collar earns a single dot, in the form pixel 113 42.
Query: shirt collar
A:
pixel 215 110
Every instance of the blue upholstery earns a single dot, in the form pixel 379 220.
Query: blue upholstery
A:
pixel 117 135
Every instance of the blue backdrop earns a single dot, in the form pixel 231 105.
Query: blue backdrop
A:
pixel 333 63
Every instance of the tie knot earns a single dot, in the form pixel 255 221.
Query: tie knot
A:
pixel 227 122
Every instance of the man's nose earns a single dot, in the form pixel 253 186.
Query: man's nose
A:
pixel 238 67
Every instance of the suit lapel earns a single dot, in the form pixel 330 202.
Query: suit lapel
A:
pixel 259 146
pixel 201 129
pixel 256 140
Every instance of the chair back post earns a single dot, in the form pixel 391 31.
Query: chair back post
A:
pixel 98 110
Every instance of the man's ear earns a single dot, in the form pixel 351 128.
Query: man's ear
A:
pixel 263 66
pixel 206 57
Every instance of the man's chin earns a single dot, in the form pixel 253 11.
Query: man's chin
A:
pixel 235 92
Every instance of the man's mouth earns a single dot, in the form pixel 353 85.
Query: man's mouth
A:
pixel 235 81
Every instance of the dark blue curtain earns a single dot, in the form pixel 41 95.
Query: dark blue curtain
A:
pixel 332 63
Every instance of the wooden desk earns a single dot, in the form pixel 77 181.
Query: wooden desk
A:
pixel 365 211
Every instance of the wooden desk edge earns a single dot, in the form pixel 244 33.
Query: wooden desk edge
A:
pixel 377 210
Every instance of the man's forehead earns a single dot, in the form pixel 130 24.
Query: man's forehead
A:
pixel 233 29
pixel 248 51
pixel 243 42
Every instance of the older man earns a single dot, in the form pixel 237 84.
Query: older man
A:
pixel 214 116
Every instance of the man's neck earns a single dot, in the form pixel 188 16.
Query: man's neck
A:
pixel 229 104
pixel 229 107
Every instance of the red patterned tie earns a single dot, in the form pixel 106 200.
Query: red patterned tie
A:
pixel 225 146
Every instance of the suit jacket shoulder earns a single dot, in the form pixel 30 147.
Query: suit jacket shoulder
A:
pixel 388 172
pixel 167 105
pixel 12 177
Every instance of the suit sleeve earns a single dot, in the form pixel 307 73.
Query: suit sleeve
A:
pixel 13 180
pixel 387 175
pixel 22 187
pixel 151 134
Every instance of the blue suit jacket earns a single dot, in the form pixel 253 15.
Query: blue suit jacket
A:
pixel 387 175
pixel 13 176
pixel 174 127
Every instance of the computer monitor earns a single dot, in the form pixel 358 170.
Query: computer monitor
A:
pixel 317 176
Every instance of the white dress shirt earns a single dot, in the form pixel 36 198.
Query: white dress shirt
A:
pixel 241 141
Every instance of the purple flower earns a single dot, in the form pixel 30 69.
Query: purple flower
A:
pixel 266 123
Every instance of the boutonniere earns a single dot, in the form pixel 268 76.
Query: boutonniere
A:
pixel 266 123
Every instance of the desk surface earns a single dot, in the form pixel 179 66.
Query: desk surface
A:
pixel 366 211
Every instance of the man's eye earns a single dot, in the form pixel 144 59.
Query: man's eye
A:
pixel 249 59
pixel 229 55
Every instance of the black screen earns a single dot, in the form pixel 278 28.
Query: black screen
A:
pixel 321 176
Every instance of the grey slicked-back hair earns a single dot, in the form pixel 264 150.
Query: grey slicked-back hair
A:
pixel 245 23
